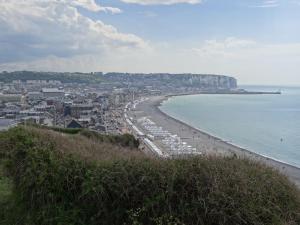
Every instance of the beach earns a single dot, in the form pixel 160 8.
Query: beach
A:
pixel 204 142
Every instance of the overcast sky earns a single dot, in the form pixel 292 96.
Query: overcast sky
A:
pixel 256 41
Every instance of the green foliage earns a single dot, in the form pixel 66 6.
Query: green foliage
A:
pixel 58 129
pixel 125 140
pixel 63 77
pixel 8 205
pixel 65 130
pixel 59 188
pixel 5 186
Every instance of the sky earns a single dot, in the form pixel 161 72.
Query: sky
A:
pixel 256 41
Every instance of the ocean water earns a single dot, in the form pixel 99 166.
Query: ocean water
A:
pixel 266 124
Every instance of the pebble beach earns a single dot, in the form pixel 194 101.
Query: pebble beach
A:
pixel 204 142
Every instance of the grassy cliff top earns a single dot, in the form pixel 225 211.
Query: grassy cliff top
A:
pixel 80 177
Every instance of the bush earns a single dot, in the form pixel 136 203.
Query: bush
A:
pixel 125 140
pixel 58 129
pixel 60 187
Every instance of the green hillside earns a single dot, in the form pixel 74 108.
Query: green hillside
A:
pixel 62 77
pixel 59 177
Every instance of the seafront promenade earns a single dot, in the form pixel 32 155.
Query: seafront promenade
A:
pixel 200 142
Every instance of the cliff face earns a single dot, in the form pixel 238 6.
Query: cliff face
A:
pixel 156 80
pixel 203 81
pixel 209 81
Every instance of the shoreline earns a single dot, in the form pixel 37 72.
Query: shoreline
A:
pixel 227 93
pixel 210 144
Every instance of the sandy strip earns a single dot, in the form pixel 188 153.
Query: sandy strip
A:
pixel 204 142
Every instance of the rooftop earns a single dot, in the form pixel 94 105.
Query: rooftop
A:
pixel 52 90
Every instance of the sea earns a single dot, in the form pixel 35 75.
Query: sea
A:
pixel 265 124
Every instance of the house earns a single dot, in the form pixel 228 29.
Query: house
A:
pixel 53 93
pixel 74 124
pixel 81 109
pixel 34 95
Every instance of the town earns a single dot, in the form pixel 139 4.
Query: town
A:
pixel 96 102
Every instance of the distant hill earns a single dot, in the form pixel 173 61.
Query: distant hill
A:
pixel 157 80
pixel 205 81
pixel 63 77
pixel 60 176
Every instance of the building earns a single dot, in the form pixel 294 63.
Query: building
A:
pixel 81 109
pixel 53 93
pixel 74 124
pixel 34 95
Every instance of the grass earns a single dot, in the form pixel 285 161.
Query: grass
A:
pixel 8 206
pixel 125 140
pixel 5 187
pixel 84 178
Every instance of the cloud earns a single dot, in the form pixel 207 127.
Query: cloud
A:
pixel 266 4
pixel 148 14
pixel 162 2
pixel 93 6
pixel 227 47
pixel 57 64
pixel 250 61
pixel 233 49
pixel 297 2
pixel 34 29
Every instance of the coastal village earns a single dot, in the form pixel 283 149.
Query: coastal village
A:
pixel 52 103
pixel 96 106
pixel 149 112
pixel 118 103
pixel 106 106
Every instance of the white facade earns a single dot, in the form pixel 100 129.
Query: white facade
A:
pixel 34 95
pixel 53 93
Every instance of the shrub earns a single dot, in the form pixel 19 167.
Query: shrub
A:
pixel 58 129
pixel 61 187
pixel 125 140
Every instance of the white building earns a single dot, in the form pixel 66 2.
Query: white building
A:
pixel 54 82
pixel 34 95
pixel 35 82
pixel 53 93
